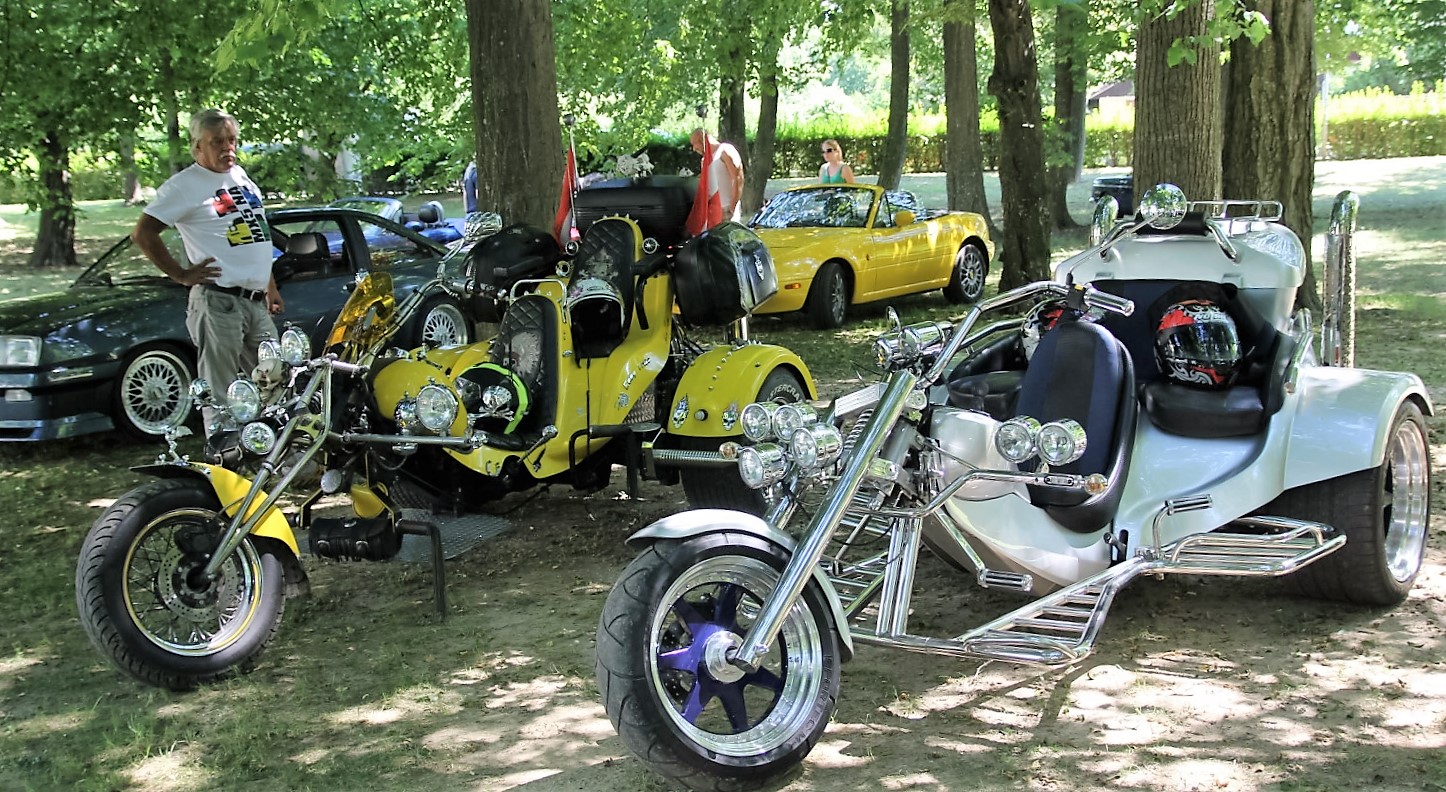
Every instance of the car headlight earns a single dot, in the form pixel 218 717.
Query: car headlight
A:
pixel 1061 442
pixel 815 446
pixel 19 351
pixel 436 408
pixel 243 400
pixel 789 418
pixel 295 346
pixel 757 421
pixel 762 465
pixel 1015 438
pixel 258 438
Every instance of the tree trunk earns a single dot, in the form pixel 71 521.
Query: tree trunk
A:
pixel 1071 24
pixel 130 179
pixel 1015 83
pixel 732 90
pixel 1269 150
pixel 514 97
pixel 963 153
pixel 760 167
pixel 177 157
pixel 1177 108
pixel 55 238
pixel 896 145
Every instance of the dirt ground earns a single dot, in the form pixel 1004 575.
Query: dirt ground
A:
pixel 1199 685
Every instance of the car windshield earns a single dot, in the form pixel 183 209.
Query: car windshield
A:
pixel 388 208
pixel 125 263
pixel 819 207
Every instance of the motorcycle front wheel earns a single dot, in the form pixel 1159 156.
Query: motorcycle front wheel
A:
pixel 668 617
pixel 145 603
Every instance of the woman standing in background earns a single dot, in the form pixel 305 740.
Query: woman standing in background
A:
pixel 834 170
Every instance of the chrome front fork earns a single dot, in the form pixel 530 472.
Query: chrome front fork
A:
pixel 820 529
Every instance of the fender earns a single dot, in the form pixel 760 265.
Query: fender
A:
pixel 722 381
pixel 1343 420
pixel 231 489
pixel 698 522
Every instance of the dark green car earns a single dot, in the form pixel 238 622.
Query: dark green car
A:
pixel 112 352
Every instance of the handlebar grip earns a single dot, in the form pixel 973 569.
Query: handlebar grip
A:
pixel 1105 301
pixel 523 266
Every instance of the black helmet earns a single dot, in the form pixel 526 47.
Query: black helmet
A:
pixel 1196 343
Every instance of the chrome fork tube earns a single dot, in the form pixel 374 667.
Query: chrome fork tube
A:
pixel 820 529
pixel 240 524
pixel 899 576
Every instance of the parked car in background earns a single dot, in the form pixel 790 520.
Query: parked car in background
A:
pixel 1121 188
pixel 839 245
pixel 112 351
pixel 430 220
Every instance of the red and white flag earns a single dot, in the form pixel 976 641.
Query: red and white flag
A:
pixel 564 227
pixel 707 208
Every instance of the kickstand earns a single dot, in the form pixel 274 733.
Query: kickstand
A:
pixel 420 526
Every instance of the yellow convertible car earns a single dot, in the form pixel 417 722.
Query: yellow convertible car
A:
pixel 836 245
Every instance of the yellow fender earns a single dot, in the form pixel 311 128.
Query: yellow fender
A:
pixel 231 489
pixel 722 381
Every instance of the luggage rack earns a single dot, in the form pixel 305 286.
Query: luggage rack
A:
pixel 1229 212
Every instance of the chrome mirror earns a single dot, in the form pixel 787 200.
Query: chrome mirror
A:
pixel 1107 211
pixel 1164 206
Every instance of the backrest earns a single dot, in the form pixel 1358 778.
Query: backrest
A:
pixel 600 287
pixel 526 345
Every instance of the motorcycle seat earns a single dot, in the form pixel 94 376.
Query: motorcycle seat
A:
pixel 989 381
pixel 600 287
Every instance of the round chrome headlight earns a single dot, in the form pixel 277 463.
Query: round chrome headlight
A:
pixel 757 421
pixel 762 465
pixel 789 418
pixel 258 438
pixel 268 349
pixel 243 400
pixel 436 408
pixel 1015 438
pixel 295 346
pixel 815 446
pixel 1061 442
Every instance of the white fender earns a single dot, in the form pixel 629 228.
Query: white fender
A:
pixel 697 522
pixel 1344 419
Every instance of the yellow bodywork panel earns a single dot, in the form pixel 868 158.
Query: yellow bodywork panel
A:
pixel 722 381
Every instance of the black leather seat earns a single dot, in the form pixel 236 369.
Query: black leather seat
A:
pixel 600 288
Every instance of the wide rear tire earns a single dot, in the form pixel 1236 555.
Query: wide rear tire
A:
pixel 145 605
pixel 722 488
pixel 675 604
pixel 1384 512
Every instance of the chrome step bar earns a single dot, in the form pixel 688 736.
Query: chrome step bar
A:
pixel 1061 628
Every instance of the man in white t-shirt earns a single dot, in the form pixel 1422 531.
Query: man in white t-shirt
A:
pixel 217 210
pixel 725 172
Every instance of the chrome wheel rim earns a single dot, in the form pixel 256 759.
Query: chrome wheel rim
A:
pixel 1407 501
pixel 153 392
pixel 166 596
pixel 444 326
pixel 750 714
pixel 969 268
pixel 837 300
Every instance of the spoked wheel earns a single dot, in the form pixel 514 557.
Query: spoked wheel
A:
pixel 1384 513
pixel 828 297
pixel 442 323
pixel 151 395
pixel 712 488
pixel 971 267
pixel 672 696
pixel 146 604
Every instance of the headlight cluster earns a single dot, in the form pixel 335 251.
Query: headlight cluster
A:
pixel 1057 442
pixel 19 351
pixel 434 410
pixel 785 435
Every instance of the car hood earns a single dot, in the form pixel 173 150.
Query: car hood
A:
pixel 42 314
pixel 790 240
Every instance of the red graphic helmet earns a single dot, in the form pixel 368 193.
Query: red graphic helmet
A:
pixel 1197 344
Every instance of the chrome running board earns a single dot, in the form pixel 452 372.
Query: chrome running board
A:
pixel 1061 628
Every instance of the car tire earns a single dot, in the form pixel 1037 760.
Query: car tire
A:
pixel 440 322
pixel 152 393
pixel 828 298
pixel 966 282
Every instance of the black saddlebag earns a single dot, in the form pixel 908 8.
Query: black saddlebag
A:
pixel 722 274
pixel 658 204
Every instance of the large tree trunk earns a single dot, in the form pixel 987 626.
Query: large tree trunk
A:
pixel 1177 108
pixel 1071 57
pixel 514 96
pixel 896 145
pixel 963 154
pixel 177 157
pixel 760 167
pixel 732 90
pixel 55 238
pixel 130 179
pixel 1015 83
pixel 1269 150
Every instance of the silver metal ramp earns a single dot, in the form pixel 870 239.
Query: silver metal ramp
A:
pixel 459 534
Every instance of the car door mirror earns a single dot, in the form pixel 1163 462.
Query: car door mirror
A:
pixel 904 217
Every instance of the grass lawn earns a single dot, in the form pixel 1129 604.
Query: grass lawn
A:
pixel 364 690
